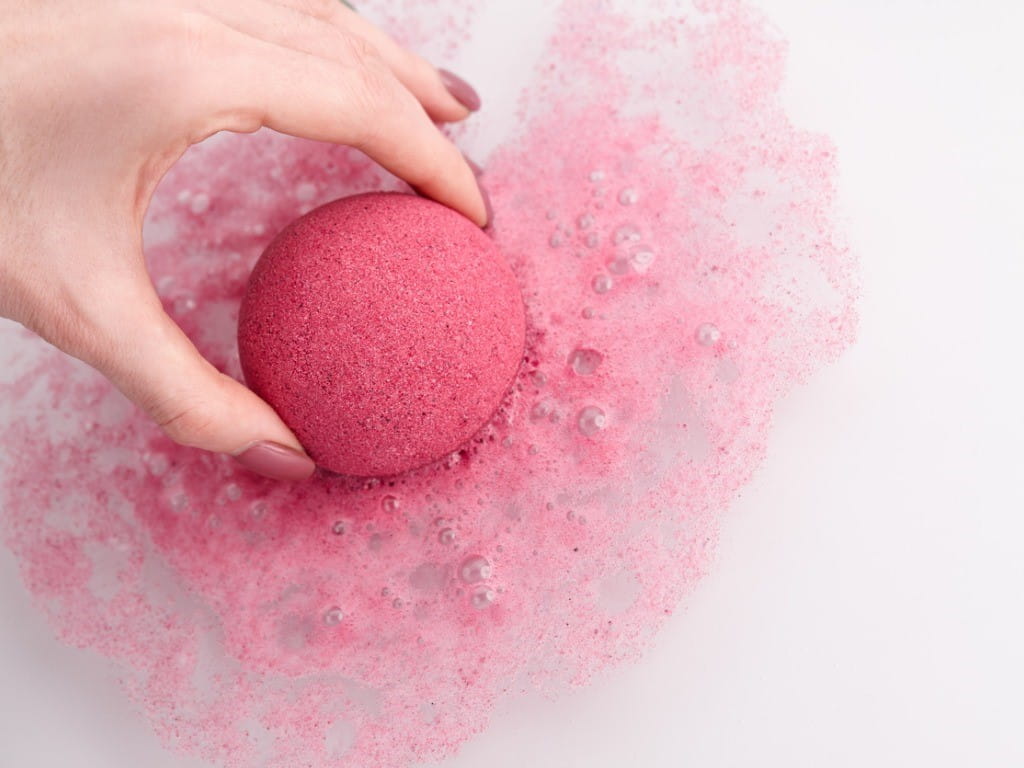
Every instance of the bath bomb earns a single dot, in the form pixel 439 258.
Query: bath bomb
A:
pixel 385 329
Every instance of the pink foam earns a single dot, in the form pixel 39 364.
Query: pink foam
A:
pixel 385 329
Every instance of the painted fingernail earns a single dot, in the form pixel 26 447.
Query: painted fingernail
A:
pixel 277 461
pixel 348 5
pixel 487 204
pixel 463 92
pixel 477 170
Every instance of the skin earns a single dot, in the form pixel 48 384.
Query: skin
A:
pixel 99 99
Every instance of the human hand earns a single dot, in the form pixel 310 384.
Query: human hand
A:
pixel 98 100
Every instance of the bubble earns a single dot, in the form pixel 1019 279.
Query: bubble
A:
pixel 556 240
pixel 584 362
pixel 338 528
pixel 641 259
pixel 541 410
pixel 628 196
pixel 591 420
pixel 592 240
pixel 627 233
pixel 200 204
pixel 474 568
pixel 179 502
pixel 482 597
pixel 333 616
pixel 184 195
pixel 390 504
pixel 587 313
pixel 619 266
pixel 305 191
pixel 586 221
pixel 397 602
pixel 233 492
pixel 596 175
pixel 602 283
pixel 446 536
pixel 708 334
pixel 184 304
pixel 258 509
pixel 158 464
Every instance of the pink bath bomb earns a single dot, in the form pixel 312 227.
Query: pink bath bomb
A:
pixel 385 329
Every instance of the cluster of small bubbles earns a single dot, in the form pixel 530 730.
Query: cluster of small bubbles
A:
pixel 372 483
pixel 474 569
pixel 258 509
pixel 338 528
pixel 542 409
pixel 602 283
pixel 200 204
pixel 233 491
pixel 305 191
pixel 584 362
pixel 390 504
pixel 708 334
pixel 184 304
pixel 333 616
pixel 591 420
pixel 628 196
pixel 446 536
pixel 627 233
pixel 482 597
pixel 585 221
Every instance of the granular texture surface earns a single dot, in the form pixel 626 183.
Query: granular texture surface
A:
pixel 384 329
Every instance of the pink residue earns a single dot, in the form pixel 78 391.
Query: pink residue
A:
pixel 674 237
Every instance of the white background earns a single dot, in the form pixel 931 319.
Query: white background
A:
pixel 866 607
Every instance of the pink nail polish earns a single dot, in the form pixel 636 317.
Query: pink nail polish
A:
pixel 276 461
pixel 463 92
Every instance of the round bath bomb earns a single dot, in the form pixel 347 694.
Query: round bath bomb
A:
pixel 385 329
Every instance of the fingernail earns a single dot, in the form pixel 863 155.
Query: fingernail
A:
pixel 277 461
pixel 348 5
pixel 475 167
pixel 487 204
pixel 463 92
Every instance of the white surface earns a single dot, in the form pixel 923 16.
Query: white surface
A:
pixel 866 607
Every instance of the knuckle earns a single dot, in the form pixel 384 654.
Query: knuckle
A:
pixel 184 418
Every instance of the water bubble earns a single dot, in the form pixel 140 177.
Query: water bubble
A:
pixel 385 592
pixel 642 258
pixel 200 204
pixel 397 602
pixel 233 492
pixel 184 195
pixel 552 214
pixel 474 568
pixel 592 240
pixel 179 502
pixel 619 266
pixel 533 450
pixel 184 304
pixel 556 240
pixel 482 597
pixel 258 509
pixel 627 233
pixel 586 221
pixel 708 334
pixel 338 528
pixel 596 175
pixel 390 504
pixel 305 191
pixel 628 196
pixel 587 313
pixel 333 616
pixel 541 410
pixel 591 420
pixel 446 536
pixel 602 284
pixel 539 379
pixel 158 464
pixel 585 361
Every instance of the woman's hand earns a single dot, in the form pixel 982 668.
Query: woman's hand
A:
pixel 99 99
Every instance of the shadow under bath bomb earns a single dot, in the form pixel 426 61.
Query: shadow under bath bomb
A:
pixel 385 329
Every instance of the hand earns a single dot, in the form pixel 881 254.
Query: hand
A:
pixel 99 99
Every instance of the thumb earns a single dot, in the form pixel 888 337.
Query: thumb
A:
pixel 151 360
